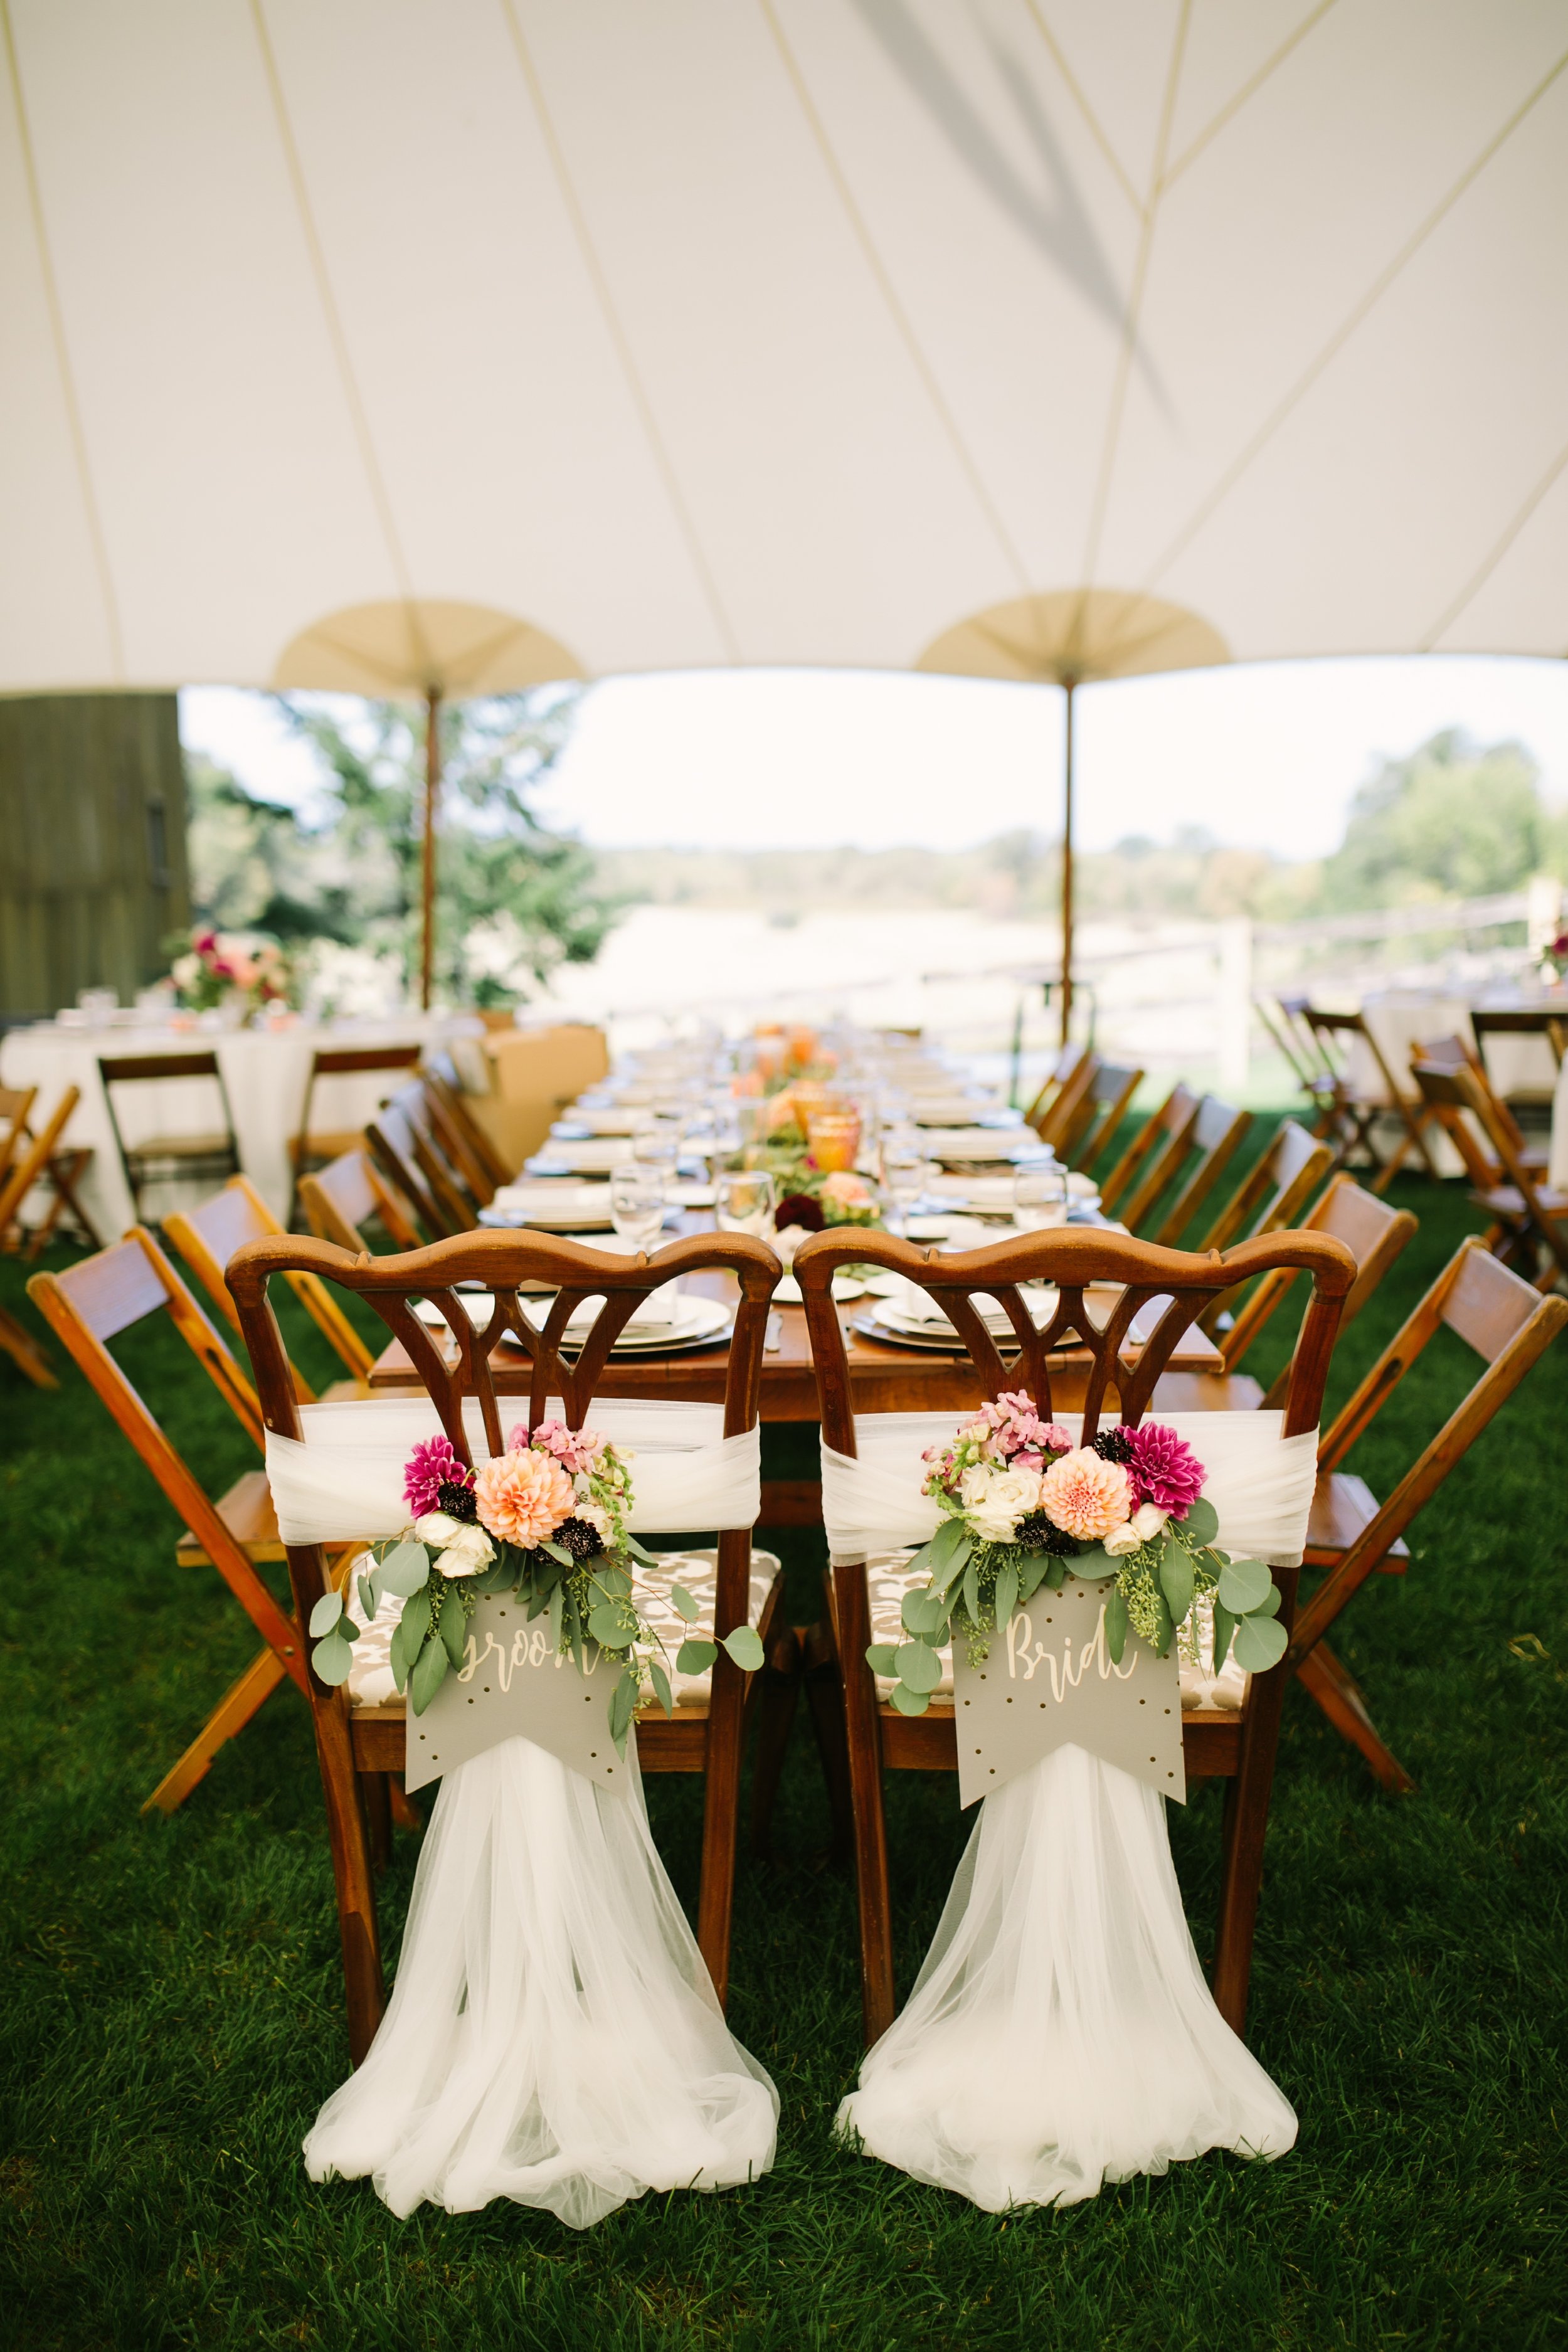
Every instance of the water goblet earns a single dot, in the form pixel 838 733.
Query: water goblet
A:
pixel 743 1203
pixel 1039 1198
pixel 637 1202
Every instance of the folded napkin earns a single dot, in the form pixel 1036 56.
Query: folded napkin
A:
pixel 964 1111
pixel 594 1156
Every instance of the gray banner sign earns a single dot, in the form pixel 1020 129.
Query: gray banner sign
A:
pixel 513 1683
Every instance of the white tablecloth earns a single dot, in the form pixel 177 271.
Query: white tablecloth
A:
pixel 1401 1018
pixel 1557 1171
pixel 265 1071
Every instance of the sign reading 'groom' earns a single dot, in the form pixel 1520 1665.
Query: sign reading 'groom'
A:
pixel 513 1682
pixel 1049 1682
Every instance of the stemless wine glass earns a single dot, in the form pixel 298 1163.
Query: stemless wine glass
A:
pixel 1039 1198
pixel 655 1143
pixel 904 1178
pixel 637 1202
pixel 743 1203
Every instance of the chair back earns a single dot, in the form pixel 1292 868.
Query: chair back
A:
pixel 341 1199
pixel 1051 1085
pixel 452 1133
pixel 1056 1121
pixel 1216 1136
pixel 392 1144
pixel 1148 1165
pixel 1517 1022
pixel 1374 1233
pixel 345 1061
pixel 1287 1024
pixel 444 1084
pixel 1100 1113
pixel 27 1157
pixel 443 1182
pixel 207 1237
pixel 1282 1182
pixel 1183 1284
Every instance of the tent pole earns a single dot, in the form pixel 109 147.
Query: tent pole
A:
pixel 1070 682
pixel 432 797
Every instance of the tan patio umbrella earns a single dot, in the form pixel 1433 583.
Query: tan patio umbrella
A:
pixel 1075 637
pixel 439 652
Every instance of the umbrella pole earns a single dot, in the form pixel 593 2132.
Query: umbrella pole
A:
pixel 1069 683
pixel 432 797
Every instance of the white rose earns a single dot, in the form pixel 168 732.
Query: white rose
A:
pixel 1121 1540
pixel 972 1486
pixel 465 1552
pixel 1148 1522
pixel 595 1515
pixel 437 1529
pixel 1010 1496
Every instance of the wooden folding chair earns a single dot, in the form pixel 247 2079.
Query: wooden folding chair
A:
pixel 1515 1022
pixel 1065 1066
pixel 207 1237
pixel 341 1199
pixel 159 1158
pixel 1188 1143
pixel 1530 1219
pixel 1457 1054
pixel 444 1086
pixel 1510 1325
pixel 1348 1114
pixel 1286 1026
pixel 453 1134
pixel 310 1150
pixel 1275 1189
pixel 403 1145
pixel 88 1305
pixel 58 1169
pixel 1099 1114
pixel 1239 1746
pixel 352 1742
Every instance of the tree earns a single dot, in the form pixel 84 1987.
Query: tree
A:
pixel 1450 820
pixel 514 899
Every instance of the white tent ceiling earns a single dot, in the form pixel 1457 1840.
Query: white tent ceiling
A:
pixel 689 332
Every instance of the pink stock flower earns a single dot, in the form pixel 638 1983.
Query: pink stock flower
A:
pixel 1086 1496
pixel 1164 1469
pixel 432 1465
pixel 523 1497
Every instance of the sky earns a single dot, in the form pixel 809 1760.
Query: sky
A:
pixel 1264 756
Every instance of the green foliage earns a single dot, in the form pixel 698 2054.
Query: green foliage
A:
pixel 1451 820
pixel 514 899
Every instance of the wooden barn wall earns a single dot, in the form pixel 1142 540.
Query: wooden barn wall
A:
pixel 92 845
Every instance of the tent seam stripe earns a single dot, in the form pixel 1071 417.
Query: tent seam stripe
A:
pixel 641 398
pixel 1134 306
pixel 335 331
pixel 1247 91
pixel 1099 135
pixel 1479 578
pixel 896 310
pixel 1342 333
pixel 62 353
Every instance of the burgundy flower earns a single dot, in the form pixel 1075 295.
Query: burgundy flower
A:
pixel 799 1209
pixel 1163 1469
pixel 432 1465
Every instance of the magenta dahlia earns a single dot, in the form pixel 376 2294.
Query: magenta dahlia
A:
pixel 1164 1469
pixel 432 1465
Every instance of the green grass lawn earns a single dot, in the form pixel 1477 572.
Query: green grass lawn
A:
pixel 172 2011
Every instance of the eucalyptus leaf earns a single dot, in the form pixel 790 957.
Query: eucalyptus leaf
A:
pixel 948 1536
pixel 558 1552
pixel 744 1646
pixel 1006 1593
pixel 622 1699
pixel 608 1628
pixel 1260 1642
pixel 429 1673
pixel 921 1613
pixel 332 1658
pixel 1031 1575
pixel 649 1559
pixel 919 1668
pixel 958 1560
pixel 326 1613
pixel 612 1579
pixel 1268 1606
pixel 1057 1575
pixel 1223 1627
pixel 557 1604
pixel 1176 1581
pixel 415 1621
pixel 661 1689
pixel 404 1569
pixel 1202 1522
pixel 971 1592
pixel 1244 1586
pixel 1115 1624
pixel 684 1605
pixel 1094 1563
pixel 397 1658
pixel 695 1657
pixel 882 1657
pixel 909 1702
pixel 454 1628
pixel 1163 1628
pixel 369 1598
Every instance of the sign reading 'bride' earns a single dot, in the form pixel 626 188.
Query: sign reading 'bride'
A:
pixel 512 1681
pixel 1049 1681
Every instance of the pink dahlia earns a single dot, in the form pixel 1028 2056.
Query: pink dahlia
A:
pixel 1086 1496
pixel 1165 1470
pixel 522 1497
pixel 432 1465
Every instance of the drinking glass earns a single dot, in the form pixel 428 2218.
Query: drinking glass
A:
pixel 1039 1198
pixel 637 1202
pixel 743 1203
pixel 657 1144
pixel 904 1176
pixel 834 1137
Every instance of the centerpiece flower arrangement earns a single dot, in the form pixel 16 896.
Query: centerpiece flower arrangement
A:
pixel 1554 959
pixel 1024 1506
pixel 214 968
pixel 547 1520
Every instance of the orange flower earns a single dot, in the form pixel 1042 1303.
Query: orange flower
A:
pixel 1085 1496
pixel 522 1497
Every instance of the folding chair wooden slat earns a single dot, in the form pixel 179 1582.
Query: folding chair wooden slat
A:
pixel 1456 1054
pixel 1350 1115
pixel 1217 1133
pixel 37 1159
pixel 877 1735
pixel 1099 1114
pixel 1055 1122
pixel 308 1149
pixel 443 1082
pixel 339 1200
pixel 1530 1218
pixel 162 1157
pixel 207 1237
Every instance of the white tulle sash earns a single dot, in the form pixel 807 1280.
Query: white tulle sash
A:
pixel 1259 1482
pixel 1060 2033
pixel 344 1478
pixel 554 2035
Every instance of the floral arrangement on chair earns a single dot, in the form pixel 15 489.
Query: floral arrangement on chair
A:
pixel 1023 1505
pixel 218 967
pixel 547 1520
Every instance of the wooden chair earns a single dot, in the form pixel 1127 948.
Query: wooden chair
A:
pixel 1099 1114
pixel 1275 1189
pixel 403 1143
pixel 453 1134
pixel 1065 1066
pixel 207 1237
pixel 444 1085
pixel 339 1200
pixel 1286 1026
pixel 1239 1746
pixel 89 1305
pixel 1510 1325
pixel 1517 1022
pixel 1530 1219
pixel 1457 1054
pixel 310 1149
pixel 196 1157
pixel 351 1741
pixel 45 1162
pixel 1188 1143
pixel 1349 1115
